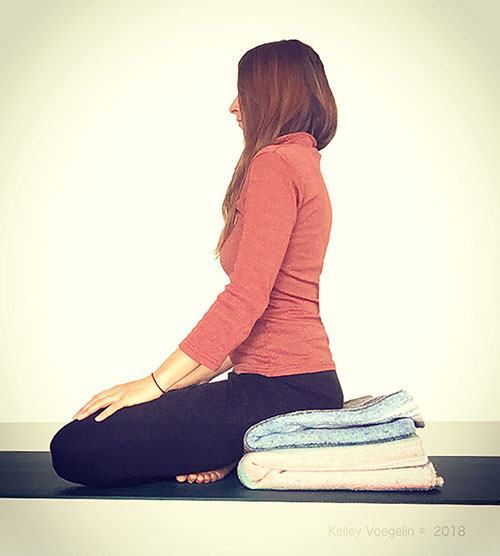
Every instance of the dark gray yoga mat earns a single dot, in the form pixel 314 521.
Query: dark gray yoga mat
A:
pixel 468 480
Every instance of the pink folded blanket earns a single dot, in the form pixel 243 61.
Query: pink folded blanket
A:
pixel 393 465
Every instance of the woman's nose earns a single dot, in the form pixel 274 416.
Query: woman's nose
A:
pixel 234 106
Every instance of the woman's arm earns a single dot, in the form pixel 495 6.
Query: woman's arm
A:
pixel 179 370
pixel 270 199
pixel 202 375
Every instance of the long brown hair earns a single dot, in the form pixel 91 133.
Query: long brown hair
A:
pixel 282 88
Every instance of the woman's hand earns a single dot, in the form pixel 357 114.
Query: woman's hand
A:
pixel 122 395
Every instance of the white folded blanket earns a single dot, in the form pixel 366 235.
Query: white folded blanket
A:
pixel 394 465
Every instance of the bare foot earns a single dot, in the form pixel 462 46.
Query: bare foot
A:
pixel 207 476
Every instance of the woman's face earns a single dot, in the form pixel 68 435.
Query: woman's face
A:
pixel 235 109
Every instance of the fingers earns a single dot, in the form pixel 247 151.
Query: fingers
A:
pixel 84 410
pixel 96 403
pixel 92 403
pixel 113 408
pixel 107 412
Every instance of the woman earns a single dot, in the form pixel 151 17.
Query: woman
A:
pixel 265 325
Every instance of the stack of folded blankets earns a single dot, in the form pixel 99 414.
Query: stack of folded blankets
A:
pixel 369 444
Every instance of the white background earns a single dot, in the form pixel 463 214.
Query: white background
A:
pixel 117 147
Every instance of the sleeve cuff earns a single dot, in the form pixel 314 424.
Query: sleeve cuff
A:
pixel 197 356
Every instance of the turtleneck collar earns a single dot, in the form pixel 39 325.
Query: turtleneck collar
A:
pixel 300 137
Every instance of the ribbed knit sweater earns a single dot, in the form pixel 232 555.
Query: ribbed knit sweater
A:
pixel 267 318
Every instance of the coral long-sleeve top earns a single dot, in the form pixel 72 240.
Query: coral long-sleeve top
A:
pixel 267 318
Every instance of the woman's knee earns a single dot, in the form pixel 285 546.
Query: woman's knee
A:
pixel 77 456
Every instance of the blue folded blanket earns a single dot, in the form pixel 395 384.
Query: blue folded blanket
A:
pixel 361 420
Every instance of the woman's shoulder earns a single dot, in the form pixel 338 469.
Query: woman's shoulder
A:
pixel 292 152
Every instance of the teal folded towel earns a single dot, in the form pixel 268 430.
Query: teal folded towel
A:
pixel 361 420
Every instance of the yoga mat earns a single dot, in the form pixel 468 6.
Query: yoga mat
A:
pixel 468 480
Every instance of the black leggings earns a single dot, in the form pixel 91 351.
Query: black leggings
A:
pixel 188 430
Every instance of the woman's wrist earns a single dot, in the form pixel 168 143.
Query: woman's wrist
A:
pixel 200 375
pixel 156 382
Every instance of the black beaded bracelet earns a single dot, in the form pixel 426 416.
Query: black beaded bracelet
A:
pixel 164 391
